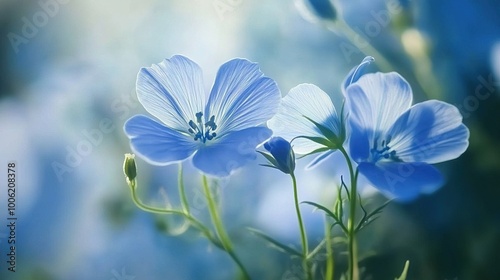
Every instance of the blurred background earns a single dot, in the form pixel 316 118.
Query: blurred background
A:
pixel 67 85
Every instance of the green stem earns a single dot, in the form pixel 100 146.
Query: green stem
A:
pixel 303 237
pixel 182 192
pixel 351 224
pixel 155 210
pixel 329 251
pixel 219 228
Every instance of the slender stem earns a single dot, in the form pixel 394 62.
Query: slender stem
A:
pixel 219 228
pixel 147 208
pixel 329 251
pixel 303 237
pixel 351 224
pixel 155 210
pixel 182 192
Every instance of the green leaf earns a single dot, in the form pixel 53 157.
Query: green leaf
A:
pixel 317 248
pixel 320 140
pixel 330 213
pixel 369 218
pixel 319 150
pixel 268 165
pixel 338 220
pixel 342 123
pixel 276 243
pixel 405 271
pixel 269 157
pixel 324 130
pixel 339 207
pixel 342 184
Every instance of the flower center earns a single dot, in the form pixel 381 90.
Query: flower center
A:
pixel 383 151
pixel 200 131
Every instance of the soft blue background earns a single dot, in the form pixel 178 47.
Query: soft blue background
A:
pixel 76 69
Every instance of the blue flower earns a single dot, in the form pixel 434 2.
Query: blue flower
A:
pixel 219 130
pixel 283 157
pixel 394 143
pixel 304 104
pixel 308 117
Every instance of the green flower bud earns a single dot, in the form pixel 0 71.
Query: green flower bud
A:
pixel 129 167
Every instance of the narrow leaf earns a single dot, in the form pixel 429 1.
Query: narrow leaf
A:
pixel 338 220
pixel 405 271
pixel 269 158
pixel 369 218
pixel 324 130
pixel 319 150
pixel 330 213
pixel 268 165
pixel 276 243
pixel 320 140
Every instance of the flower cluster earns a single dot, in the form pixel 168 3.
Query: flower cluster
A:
pixel 382 136
pixel 392 141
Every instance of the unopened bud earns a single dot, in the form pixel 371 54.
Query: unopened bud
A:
pixel 129 167
pixel 315 10
pixel 282 152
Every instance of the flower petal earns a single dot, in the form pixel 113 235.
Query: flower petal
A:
pixel 374 103
pixel 376 100
pixel 156 143
pixel 172 91
pixel 304 100
pixel 359 142
pixel 356 72
pixel 241 97
pixel 319 159
pixel 230 152
pixel 401 180
pixel 431 131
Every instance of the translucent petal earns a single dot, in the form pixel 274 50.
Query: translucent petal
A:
pixel 376 100
pixel 356 72
pixel 172 91
pixel 230 152
pixel 431 131
pixel 310 101
pixel 242 97
pixel 319 159
pixel 360 142
pixel 156 143
pixel 400 180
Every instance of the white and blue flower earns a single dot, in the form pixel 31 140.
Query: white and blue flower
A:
pixel 395 143
pixel 392 142
pixel 219 130
pixel 308 117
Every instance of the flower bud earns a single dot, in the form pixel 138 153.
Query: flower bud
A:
pixel 282 153
pixel 129 167
pixel 315 10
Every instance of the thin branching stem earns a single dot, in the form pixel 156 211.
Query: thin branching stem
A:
pixel 303 236
pixel 351 223
pixel 156 210
pixel 329 271
pixel 219 228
